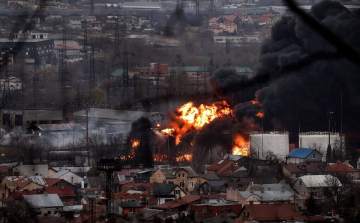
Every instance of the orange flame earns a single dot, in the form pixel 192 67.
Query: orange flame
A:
pixel 168 131
pixel 241 147
pixel 260 115
pixel 185 157
pixel 194 118
pixel 160 157
pixel 255 102
pixel 135 143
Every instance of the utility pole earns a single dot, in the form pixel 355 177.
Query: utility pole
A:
pixel 108 89
pixel 116 41
pixel 35 87
pixel 87 134
pixel 197 3
pixel 91 7
pixel 92 68
pixel 23 84
pixel 329 150
pixel 6 97
pixel 125 102
pixel 85 51
pixel 157 86
pixel 78 101
pixel 63 70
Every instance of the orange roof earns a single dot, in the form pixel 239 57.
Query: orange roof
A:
pixel 4 169
pixel 228 171
pixel 22 183
pixel 262 19
pixel 214 19
pixel 340 167
pixel 231 18
pixel 62 191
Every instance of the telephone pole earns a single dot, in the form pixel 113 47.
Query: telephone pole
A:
pixel 92 68
pixel 125 99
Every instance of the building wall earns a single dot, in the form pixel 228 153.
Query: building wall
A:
pixel 157 177
pixel 32 170
pixel 278 143
pixel 313 157
pixel 182 176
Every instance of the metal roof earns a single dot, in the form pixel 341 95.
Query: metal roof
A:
pixel 269 195
pixel 43 200
pixel 73 169
pixel 320 181
pixel 300 153
pixel 59 174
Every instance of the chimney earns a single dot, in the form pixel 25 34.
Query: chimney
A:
pixel 283 189
pixel 346 162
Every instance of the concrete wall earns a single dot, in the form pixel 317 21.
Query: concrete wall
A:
pixel 277 143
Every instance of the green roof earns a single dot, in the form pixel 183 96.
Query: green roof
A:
pixel 117 73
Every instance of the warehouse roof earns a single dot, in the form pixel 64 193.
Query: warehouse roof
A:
pixel 300 153
pixel 269 195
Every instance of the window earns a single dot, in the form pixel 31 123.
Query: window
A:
pixel 181 184
pixel 300 182
pixel 191 184
pixel 313 156
pixel 177 192
pixel 183 174
pixel 132 210
pixel 179 174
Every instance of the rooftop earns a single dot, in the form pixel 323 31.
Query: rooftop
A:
pixel 319 180
pixel 300 153
pixel 43 200
pixel 273 212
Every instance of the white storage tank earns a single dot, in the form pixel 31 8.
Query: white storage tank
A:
pixel 276 142
pixel 320 141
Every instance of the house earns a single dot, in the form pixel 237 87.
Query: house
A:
pixel 88 18
pixel 205 211
pixel 96 182
pixel 68 176
pixel 54 18
pixel 14 83
pixel 65 193
pixel 259 197
pixel 31 170
pixel 167 192
pixel 144 198
pixel 343 169
pixel 268 213
pixel 233 18
pixel 219 166
pixel 295 170
pixel 79 170
pixel 229 27
pixel 129 207
pixel 44 204
pixel 180 204
pixel 185 177
pixel 21 183
pixel 74 24
pixel 56 182
pixel 215 21
pixel 269 187
pixel 316 184
pixel 212 187
pixel 216 29
pixel 300 155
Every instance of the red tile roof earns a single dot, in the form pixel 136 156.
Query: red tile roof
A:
pixel 218 164
pixel 179 202
pixel 262 19
pixel 214 19
pixel 227 172
pixel 313 167
pixel 51 181
pixel 62 191
pixel 268 15
pixel 22 183
pixel 19 194
pixel 4 169
pixel 273 212
pixel 340 167
pixel 123 182
pixel 231 18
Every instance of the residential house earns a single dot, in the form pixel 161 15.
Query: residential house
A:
pixel 21 183
pixel 31 170
pixel 213 187
pixel 229 27
pixel 216 29
pixel 180 204
pixel 208 176
pixel 144 198
pixel 88 18
pixel 56 182
pixel 316 184
pixel 96 182
pixel 146 215
pixel 92 24
pixel 269 187
pixel 74 24
pixel 219 166
pixel 167 192
pixel 295 170
pixel 264 20
pixel 121 186
pixel 78 170
pixel 300 155
pixel 68 176
pixel 185 177
pixel 233 18
pixel 215 21
pixel 129 207
pixel 44 204
pixel 126 174
pixel 268 213
pixel 259 197
pixel 205 211
pixel 54 18
pixel 65 193
pixel 14 83
pixel 343 169
pixel 111 19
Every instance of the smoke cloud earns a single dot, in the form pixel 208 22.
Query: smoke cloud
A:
pixel 300 76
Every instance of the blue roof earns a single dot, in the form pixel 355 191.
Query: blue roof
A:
pixel 300 153
pixel 117 73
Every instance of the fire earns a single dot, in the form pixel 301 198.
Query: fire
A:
pixel 185 157
pixel 135 143
pixel 168 131
pixel 260 115
pixel 159 157
pixel 255 102
pixel 194 118
pixel 241 147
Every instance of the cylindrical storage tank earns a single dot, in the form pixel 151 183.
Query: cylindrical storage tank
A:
pixel 276 142
pixel 320 141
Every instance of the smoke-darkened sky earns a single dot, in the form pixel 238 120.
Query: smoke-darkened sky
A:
pixel 291 94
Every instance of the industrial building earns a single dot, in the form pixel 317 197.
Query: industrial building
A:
pixel 263 142
pixel 320 140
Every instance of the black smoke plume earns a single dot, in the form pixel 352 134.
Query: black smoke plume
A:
pixel 300 76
